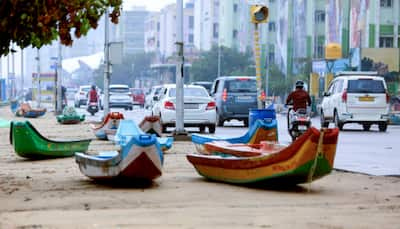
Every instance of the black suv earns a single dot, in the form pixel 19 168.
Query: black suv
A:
pixel 234 96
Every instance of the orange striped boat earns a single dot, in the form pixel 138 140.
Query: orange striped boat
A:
pixel 308 158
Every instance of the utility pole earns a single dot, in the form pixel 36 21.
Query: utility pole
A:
pixel 13 73
pixel 22 75
pixel 59 80
pixel 179 123
pixel 38 94
pixel 106 64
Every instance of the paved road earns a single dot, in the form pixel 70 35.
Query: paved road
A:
pixel 370 152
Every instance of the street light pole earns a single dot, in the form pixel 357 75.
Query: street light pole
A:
pixel 38 99
pixel 59 77
pixel 179 124
pixel 106 65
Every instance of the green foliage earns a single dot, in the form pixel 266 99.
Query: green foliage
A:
pixel 232 63
pixel 39 22
pixel 278 84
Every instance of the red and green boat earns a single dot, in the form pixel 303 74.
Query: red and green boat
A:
pixel 29 143
pixel 308 158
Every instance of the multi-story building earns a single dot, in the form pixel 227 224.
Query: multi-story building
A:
pixel 152 32
pixel 132 30
pixel 206 24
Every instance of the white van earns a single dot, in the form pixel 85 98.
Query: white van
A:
pixel 356 97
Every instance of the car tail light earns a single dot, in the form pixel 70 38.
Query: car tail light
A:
pixel 169 105
pixel 224 95
pixel 211 105
pixel 82 93
pixel 387 97
pixel 344 96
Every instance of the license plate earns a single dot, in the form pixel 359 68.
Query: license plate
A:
pixel 366 99
pixel 244 98
pixel 191 106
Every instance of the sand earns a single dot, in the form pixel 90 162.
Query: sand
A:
pixel 55 194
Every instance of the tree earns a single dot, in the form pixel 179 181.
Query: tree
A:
pixel 232 63
pixel 39 22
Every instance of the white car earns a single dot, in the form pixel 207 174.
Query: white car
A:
pixel 199 108
pixel 120 96
pixel 356 97
pixel 80 97
pixel 149 99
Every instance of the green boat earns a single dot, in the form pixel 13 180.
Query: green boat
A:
pixel 29 143
pixel 70 116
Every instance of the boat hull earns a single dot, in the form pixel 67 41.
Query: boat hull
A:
pixel 29 143
pixel 299 163
pixel 134 162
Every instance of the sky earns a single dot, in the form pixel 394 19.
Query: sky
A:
pixel 151 5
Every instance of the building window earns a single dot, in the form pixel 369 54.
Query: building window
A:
pixel 319 16
pixel 191 22
pixel 271 58
pixel 386 42
pixel 191 38
pixel 235 7
pixel 215 30
pixel 320 51
pixel 235 34
pixel 271 27
pixel 386 3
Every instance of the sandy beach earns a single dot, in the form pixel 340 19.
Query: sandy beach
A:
pixel 55 194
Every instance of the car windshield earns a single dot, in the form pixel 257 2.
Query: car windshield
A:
pixel 205 85
pixel 85 89
pixel 198 92
pixel 157 90
pixel 241 85
pixel 119 90
pixel 365 86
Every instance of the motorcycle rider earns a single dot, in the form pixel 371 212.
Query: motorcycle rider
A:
pixel 93 96
pixel 299 97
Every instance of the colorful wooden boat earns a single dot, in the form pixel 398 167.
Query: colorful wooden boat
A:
pixel 242 150
pixel 140 158
pixel 26 111
pixel 261 130
pixel 29 143
pixel 151 125
pixel 109 125
pixel 128 128
pixel 308 158
pixel 70 116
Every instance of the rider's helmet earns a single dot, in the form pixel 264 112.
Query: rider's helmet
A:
pixel 93 87
pixel 299 84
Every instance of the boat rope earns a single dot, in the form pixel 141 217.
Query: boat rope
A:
pixel 318 154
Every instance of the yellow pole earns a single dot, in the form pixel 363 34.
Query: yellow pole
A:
pixel 257 57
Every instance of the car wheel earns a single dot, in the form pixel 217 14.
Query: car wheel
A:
pixel 220 120
pixel 202 128
pixel 324 123
pixel 338 123
pixel 211 129
pixel 366 127
pixel 382 127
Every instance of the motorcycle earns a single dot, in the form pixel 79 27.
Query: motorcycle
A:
pixel 298 122
pixel 93 108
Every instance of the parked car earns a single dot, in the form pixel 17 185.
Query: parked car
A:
pixel 356 97
pixel 149 100
pixel 234 96
pixel 206 84
pixel 138 96
pixel 199 108
pixel 120 96
pixel 70 93
pixel 81 95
